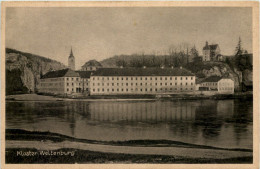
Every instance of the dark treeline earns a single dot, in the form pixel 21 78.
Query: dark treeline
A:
pixel 173 59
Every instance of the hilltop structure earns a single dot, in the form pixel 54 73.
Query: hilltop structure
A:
pixel 211 53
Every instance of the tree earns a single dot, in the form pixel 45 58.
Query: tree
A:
pixel 239 50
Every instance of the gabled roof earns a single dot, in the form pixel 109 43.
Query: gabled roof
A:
pixel 60 73
pixel 92 63
pixel 212 79
pixel 142 72
pixel 84 74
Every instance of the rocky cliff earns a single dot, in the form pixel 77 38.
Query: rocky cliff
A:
pixel 23 70
pixel 206 69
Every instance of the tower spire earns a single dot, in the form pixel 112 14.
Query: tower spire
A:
pixel 71 53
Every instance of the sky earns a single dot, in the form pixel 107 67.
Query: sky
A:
pixel 102 32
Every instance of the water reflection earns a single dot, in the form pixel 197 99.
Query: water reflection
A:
pixel 223 123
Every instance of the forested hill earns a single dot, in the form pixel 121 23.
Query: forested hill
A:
pixel 23 70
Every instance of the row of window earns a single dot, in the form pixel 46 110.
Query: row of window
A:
pixel 141 90
pixel 226 88
pixel 136 84
pixel 141 78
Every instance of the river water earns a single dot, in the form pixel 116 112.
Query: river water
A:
pixel 220 123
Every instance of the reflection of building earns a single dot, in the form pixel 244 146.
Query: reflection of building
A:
pixel 142 111
pixel 211 53
pixel 219 84
pixel 113 81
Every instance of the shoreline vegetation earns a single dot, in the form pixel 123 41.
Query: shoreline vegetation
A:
pixel 51 97
pixel 90 156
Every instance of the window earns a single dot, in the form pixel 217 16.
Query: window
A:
pixel 102 78
pixel 86 89
pixel 186 84
pixel 93 78
pixel 126 84
pixel 131 84
pixel 68 84
pixel 122 78
pixel 191 83
pixel 72 78
pixel 151 78
pixel 190 88
pixel 146 78
pixel 98 89
pixel 156 90
pixel 107 78
pixel 93 90
pixel 141 78
pixel 67 78
pixel 127 90
pixel 127 78
pixel 112 90
pixel 108 90
pixel 122 84
pixel 170 83
pixel 98 78
pixel 68 89
pixel 191 78
pixel 181 88
pixel 117 84
pixel 112 84
pixel 141 84
pixel 112 78
pixel 165 78
pixel 136 84
pixel 145 89
pixel 141 89
pixel 181 78
pixel 131 78
pixel 151 89
pixel 72 84
pixel 145 84
pixel 161 84
pixel 181 84
pixel 103 89
pixel 102 84
pixel 155 84
pixel 93 84
pixel 175 78
pixel 165 84
pixel 117 78
pixel 156 78
pixel 160 78
pixel 98 84
pixel 136 78
pixel 122 90
pixel 107 84
pixel 186 78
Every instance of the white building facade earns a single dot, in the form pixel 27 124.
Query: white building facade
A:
pixel 128 81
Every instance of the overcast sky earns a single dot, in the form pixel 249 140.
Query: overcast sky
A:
pixel 99 33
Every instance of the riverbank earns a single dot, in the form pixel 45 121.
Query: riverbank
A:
pixel 45 97
pixel 26 146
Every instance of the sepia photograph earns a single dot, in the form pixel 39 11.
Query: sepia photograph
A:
pixel 115 83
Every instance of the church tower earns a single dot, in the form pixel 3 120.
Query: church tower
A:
pixel 71 61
